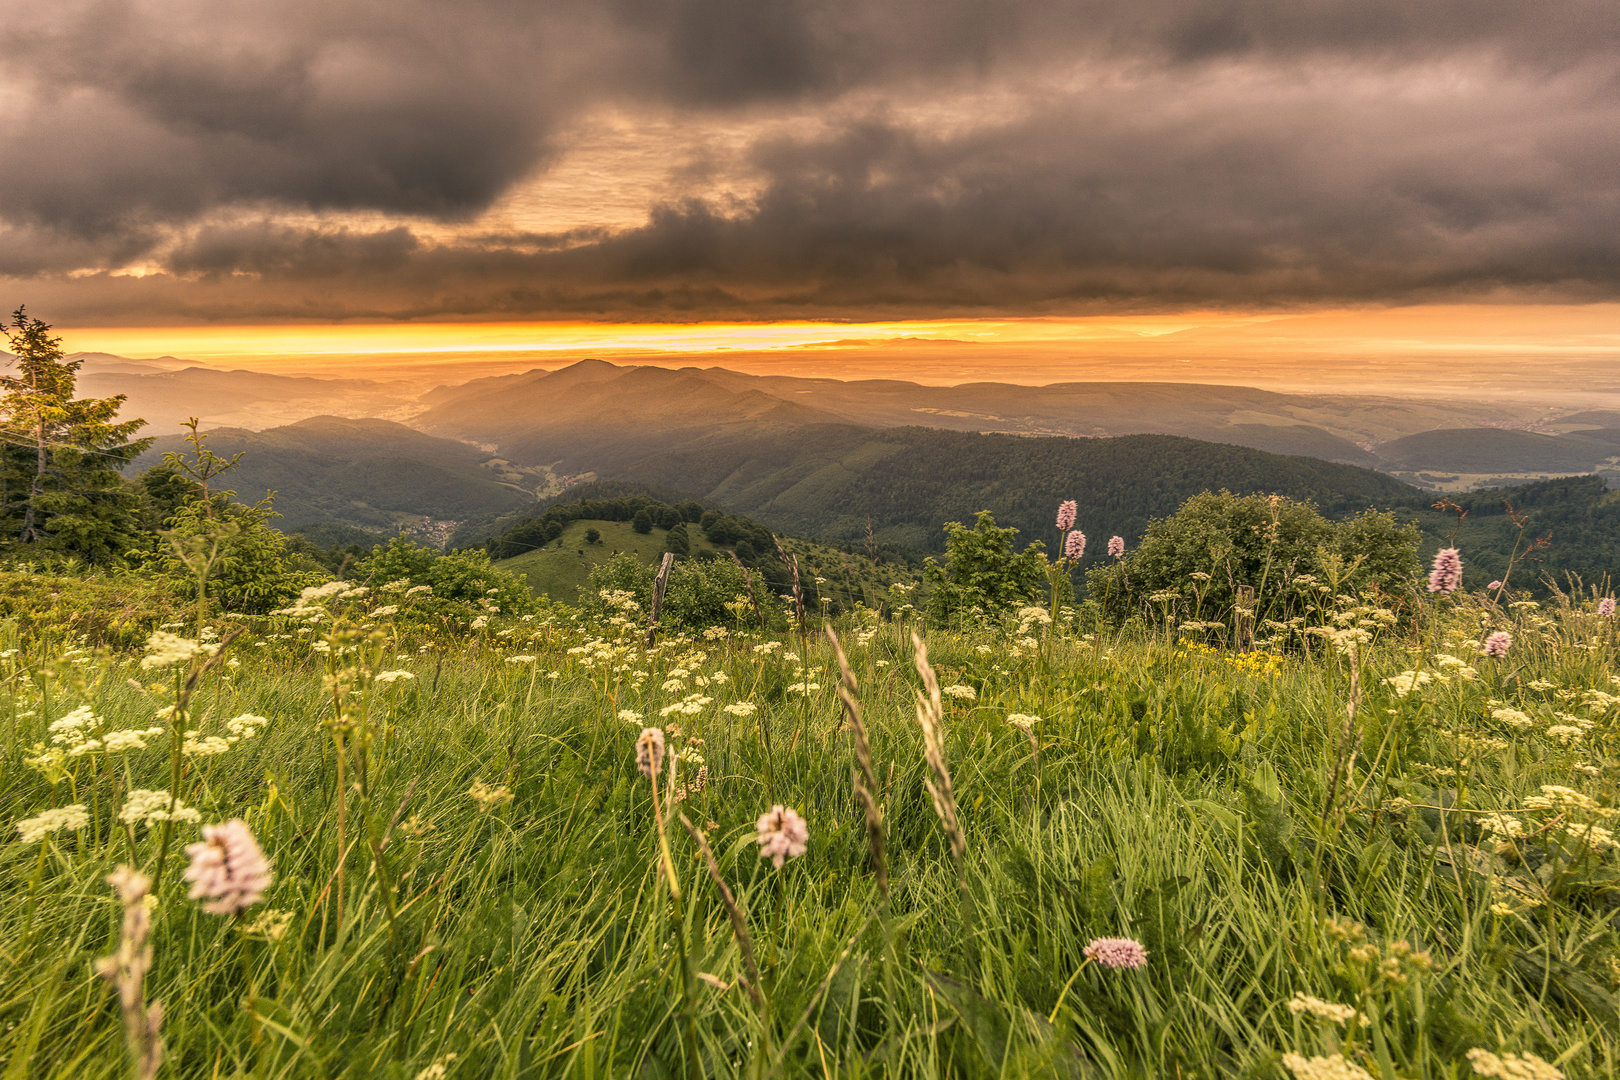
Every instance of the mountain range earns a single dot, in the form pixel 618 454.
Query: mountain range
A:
pixel 823 457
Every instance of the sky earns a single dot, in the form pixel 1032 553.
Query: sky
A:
pixel 1033 187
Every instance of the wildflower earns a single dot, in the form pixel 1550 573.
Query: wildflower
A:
pixel 1116 546
pixel 489 796
pixel 650 752
pixel 126 969
pixel 1115 953
pixel 1023 720
pixel 204 745
pixel 70 729
pixel 383 678
pixel 228 867
pixel 630 716
pixel 1606 607
pixel 270 925
pixel 522 658
pixel 1407 681
pixel 163 649
pixel 783 835
pixel 966 693
pixel 1067 511
pixel 1512 1066
pixel 418 590
pixel 1565 732
pixel 247 725
pixel 1075 546
pixel 1323 1010
pixel 1498 643
pixel 480 622
pixel 34 829
pixel 1027 616
pixel 1502 825
pixel 741 708
pixel 1447 572
pixel 437 1070
pixel 1512 717
pixel 1332 1067
pixel 1494 585
pixel 117 742
pixel 146 806
pixel 804 687
pixel 1595 836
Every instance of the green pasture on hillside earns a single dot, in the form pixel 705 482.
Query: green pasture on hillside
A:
pixel 563 567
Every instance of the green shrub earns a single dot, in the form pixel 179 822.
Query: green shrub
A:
pixel 699 594
pixel 252 571
pixel 116 609
pixel 458 578
pixel 982 571
pixel 1277 546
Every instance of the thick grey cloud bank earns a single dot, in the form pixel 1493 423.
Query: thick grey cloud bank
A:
pixel 289 158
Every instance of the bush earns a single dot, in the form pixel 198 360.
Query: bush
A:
pixel 116 609
pixel 593 536
pixel 252 571
pixel 460 579
pixel 699 594
pixel 981 570
pixel 642 522
pixel 1217 542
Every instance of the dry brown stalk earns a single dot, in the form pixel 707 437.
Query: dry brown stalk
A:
pixel 1344 764
pixel 748 580
pixel 865 779
pixel 798 592
pixel 739 928
pixel 126 969
pixel 931 718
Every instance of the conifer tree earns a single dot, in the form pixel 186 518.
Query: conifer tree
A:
pixel 61 459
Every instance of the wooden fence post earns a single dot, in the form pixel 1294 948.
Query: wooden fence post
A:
pixel 1243 619
pixel 660 583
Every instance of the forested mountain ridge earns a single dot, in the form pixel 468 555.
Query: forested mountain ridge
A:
pixel 594 417
pixel 830 480
pixel 550 417
pixel 1577 515
pixel 367 473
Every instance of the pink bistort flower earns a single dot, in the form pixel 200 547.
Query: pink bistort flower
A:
pixel 1606 606
pixel 783 835
pixel 1498 643
pixel 1116 546
pixel 1116 953
pixel 1447 572
pixel 650 752
pixel 1075 546
pixel 228 868
pixel 1067 511
pixel 1494 585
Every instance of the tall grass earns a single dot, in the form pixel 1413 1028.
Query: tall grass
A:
pixel 506 912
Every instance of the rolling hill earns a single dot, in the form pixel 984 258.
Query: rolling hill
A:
pixel 800 470
pixel 373 474
pixel 1488 450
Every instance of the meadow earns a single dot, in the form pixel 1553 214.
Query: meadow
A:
pixel 1028 847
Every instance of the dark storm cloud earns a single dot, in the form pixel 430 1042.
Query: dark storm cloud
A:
pixel 1218 151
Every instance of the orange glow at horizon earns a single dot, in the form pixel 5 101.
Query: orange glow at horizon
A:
pixel 227 342
pixel 1485 349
